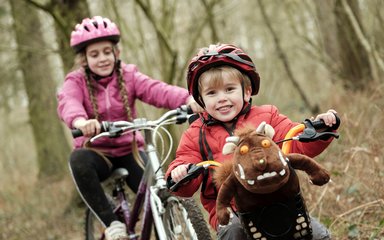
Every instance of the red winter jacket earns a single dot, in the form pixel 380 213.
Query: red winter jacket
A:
pixel 189 152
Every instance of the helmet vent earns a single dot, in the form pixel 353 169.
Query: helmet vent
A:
pixel 226 50
pixel 92 30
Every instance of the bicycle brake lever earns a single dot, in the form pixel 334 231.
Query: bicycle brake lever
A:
pixel 310 135
pixel 104 134
pixel 115 132
pixel 112 133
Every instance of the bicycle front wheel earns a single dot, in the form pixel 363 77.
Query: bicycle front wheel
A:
pixel 183 220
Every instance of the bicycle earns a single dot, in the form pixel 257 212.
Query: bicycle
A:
pixel 173 217
pixel 263 221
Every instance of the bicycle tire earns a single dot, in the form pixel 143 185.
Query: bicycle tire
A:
pixel 94 229
pixel 183 219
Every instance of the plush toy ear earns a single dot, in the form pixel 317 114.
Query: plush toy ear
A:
pixel 265 129
pixel 229 148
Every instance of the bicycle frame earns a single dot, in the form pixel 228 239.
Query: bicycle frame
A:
pixel 147 198
pixel 153 203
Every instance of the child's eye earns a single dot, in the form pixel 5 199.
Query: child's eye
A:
pixel 230 89
pixel 210 92
pixel 108 51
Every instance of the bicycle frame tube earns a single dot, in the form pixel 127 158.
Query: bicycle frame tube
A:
pixel 146 196
pixel 157 210
pixel 135 212
pixel 154 202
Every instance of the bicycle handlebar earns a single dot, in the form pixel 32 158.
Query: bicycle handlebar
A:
pixel 309 133
pixel 194 170
pixel 115 129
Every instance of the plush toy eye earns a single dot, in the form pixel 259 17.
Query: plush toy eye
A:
pixel 244 149
pixel 265 143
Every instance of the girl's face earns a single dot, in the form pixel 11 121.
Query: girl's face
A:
pixel 224 99
pixel 101 58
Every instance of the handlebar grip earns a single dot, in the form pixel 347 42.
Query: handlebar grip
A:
pixel 76 133
pixel 189 110
pixel 193 172
pixel 186 108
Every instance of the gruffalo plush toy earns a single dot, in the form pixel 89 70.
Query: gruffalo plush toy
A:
pixel 265 187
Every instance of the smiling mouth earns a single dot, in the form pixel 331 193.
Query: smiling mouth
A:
pixel 224 108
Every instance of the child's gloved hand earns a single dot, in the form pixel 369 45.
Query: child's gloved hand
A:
pixel 329 117
pixel 179 172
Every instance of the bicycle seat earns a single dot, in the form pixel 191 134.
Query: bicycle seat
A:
pixel 119 173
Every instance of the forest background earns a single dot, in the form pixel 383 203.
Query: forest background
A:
pixel 311 55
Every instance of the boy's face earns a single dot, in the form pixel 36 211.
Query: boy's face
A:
pixel 101 58
pixel 224 101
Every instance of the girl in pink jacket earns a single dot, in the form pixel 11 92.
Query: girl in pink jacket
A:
pixel 105 89
pixel 222 79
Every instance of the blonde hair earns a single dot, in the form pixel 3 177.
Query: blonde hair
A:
pixel 215 75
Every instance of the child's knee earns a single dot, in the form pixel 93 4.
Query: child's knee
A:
pixel 234 230
pixel 319 231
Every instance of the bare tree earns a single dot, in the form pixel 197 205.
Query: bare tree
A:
pixel 376 62
pixel 283 57
pixel 66 14
pixel 52 147
pixel 355 67
pixel 327 33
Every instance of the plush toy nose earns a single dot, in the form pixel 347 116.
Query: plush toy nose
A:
pixel 260 163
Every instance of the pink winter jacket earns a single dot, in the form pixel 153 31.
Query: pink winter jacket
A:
pixel 74 102
pixel 189 152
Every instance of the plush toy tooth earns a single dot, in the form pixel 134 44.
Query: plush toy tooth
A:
pixel 242 174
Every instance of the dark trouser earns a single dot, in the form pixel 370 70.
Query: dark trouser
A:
pixel 89 168
pixel 234 230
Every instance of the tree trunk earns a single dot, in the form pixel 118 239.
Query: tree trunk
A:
pixel 283 57
pixel 355 67
pixel 66 14
pixel 326 21
pixel 51 145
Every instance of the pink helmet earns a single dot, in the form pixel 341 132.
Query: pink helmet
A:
pixel 217 55
pixel 93 30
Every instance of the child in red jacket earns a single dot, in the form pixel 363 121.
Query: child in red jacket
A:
pixel 222 79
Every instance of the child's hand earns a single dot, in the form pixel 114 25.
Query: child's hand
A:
pixel 196 108
pixel 89 127
pixel 179 172
pixel 329 117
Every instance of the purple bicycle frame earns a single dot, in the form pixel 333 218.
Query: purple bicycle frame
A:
pixel 131 216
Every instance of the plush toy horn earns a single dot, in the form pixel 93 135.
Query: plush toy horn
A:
pixel 230 145
pixel 265 129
